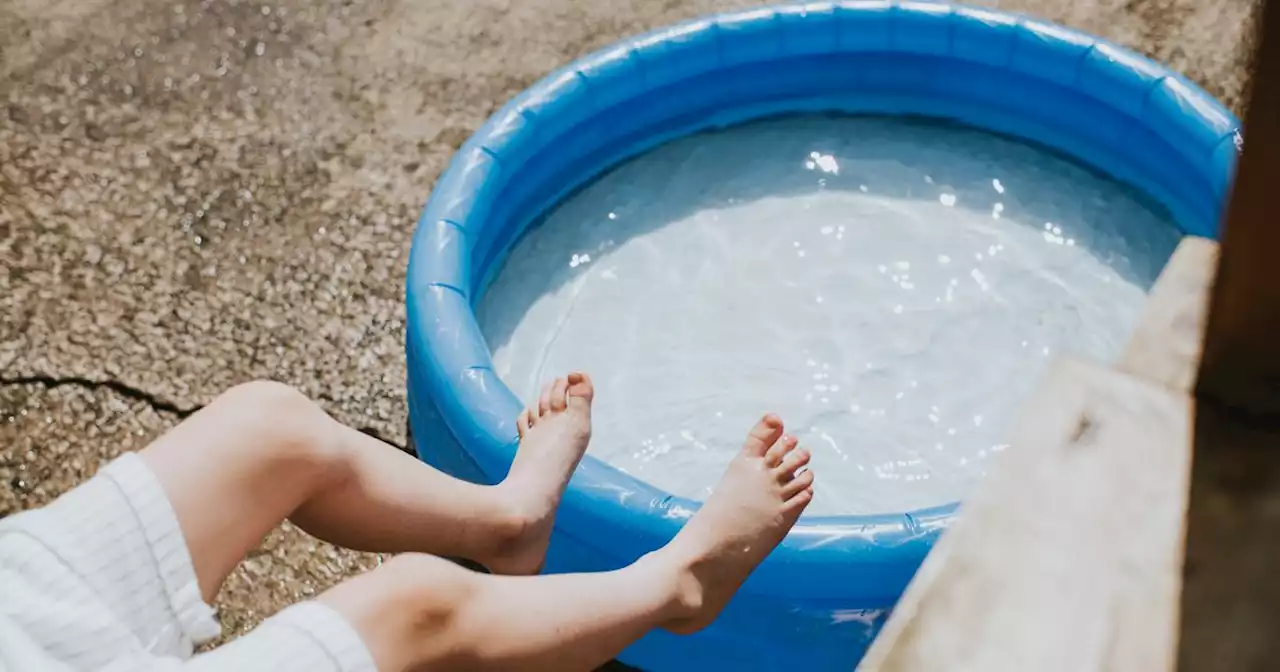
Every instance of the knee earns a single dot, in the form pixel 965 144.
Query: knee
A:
pixel 268 392
pixel 283 418
pixel 436 589
pixel 408 610
pixel 429 576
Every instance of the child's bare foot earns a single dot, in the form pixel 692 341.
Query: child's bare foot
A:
pixel 756 503
pixel 553 436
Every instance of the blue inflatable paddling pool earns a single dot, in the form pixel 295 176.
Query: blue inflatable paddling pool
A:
pixel 818 601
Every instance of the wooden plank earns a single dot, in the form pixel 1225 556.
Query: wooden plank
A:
pixel 1241 366
pixel 1068 558
pixel 1166 345
pixel 1231 599
pixel 1164 350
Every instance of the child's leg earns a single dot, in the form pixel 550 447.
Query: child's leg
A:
pixel 262 452
pixel 418 612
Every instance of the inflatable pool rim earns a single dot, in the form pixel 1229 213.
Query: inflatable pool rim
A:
pixel 1103 105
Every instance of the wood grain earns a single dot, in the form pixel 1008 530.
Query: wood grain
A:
pixel 1231 596
pixel 1165 347
pixel 1241 367
pixel 1068 557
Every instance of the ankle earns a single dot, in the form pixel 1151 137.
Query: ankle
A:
pixel 685 593
pixel 517 532
pixel 524 505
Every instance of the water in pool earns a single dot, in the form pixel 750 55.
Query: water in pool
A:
pixel 892 288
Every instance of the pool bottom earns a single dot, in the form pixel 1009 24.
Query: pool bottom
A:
pixel 850 273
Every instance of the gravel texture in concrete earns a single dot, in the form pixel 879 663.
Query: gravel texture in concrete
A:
pixel 195 193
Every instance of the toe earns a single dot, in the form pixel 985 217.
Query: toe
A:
pixel 795 486
pixel 779 450
pixel 797 503
pixel 558 391
pixel 764 434
pixel 544 400
pixel 522 423
pixel 792 461
pixel 580 387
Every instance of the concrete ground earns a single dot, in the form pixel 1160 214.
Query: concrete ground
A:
pixel 195 193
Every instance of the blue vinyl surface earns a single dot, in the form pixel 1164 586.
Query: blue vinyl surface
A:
pixel 818 601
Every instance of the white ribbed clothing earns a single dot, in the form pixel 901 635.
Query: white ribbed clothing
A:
pixel 102 580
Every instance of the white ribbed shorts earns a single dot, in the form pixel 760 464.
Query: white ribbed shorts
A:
pixel 102 579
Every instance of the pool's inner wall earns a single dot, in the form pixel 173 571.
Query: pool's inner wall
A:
pixel 828 584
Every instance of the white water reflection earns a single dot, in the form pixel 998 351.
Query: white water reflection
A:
pixel 893 289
